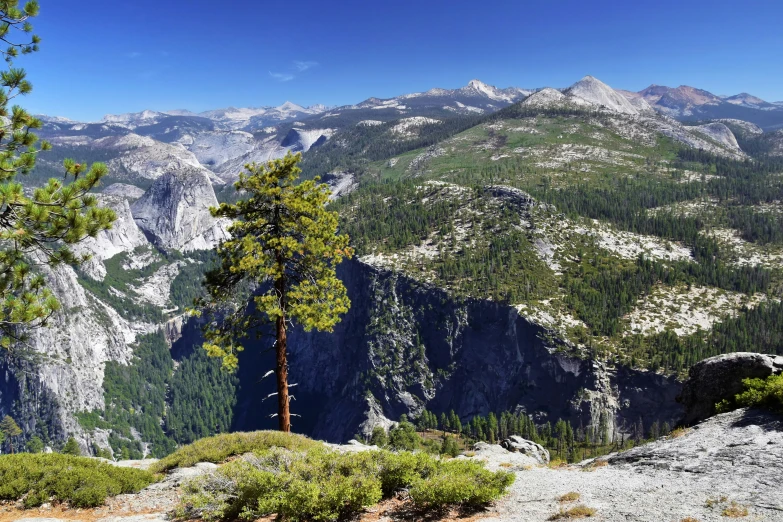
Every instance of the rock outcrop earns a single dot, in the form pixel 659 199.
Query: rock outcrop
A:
pixel 719 133
pixel 174 212
pixel 730 461
pixel 532 449
pixel 717 378
pixel 123 236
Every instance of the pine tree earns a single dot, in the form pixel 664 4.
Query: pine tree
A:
pixel 284 243
pixel 39 226
pixel 444 422
pixel 35 445
pixel 379 437
pixel 11 429
pixel 72 448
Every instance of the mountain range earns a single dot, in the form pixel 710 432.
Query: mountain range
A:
pixel 563 252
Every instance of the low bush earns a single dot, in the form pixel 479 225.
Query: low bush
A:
pixel 321 484
pixel 735 511
pixel 579 511
pixel 81 482
pixel 759 393
pixel 220 447
pixel 571 496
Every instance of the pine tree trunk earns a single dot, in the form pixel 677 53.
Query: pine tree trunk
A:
pixel 283 411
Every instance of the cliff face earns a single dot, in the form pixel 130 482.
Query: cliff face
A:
pixel 174 212
pixel 403 347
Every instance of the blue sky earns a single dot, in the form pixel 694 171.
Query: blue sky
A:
pixel 115 56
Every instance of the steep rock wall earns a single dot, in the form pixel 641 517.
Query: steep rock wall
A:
pixel 404 347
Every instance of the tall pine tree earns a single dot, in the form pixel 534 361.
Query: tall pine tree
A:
pixel 283 251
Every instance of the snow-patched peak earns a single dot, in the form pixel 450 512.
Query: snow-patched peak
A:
pixel 489 91
pixel 126 142
pixel 132 117
pixel 597 92
pixel 55 119
pixel 291 106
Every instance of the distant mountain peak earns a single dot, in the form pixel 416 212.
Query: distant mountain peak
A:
pixel 489 91
pixel 595 91
pixel 290 106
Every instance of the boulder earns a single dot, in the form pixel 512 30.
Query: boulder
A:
pixel 517 444
pixel 720 377
pixel 495 457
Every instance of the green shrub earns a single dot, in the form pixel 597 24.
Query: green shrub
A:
pixel 379 437
pixel 35 445
pixel 460 482
pixel 403 436
pixel 759 393
pixel 220 447
pixel 320 484
pixel 72 448
pixel 81 482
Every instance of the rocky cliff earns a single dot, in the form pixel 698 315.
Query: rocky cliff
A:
pixel 174 212
pixel 404 346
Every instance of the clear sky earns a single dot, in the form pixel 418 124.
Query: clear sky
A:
pixel 113 56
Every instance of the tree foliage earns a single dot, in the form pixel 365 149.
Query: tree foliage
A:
pixel 283 250
pixel 37 227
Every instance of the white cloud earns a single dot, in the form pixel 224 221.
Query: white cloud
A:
pixel 281 77
pixel 134 54
pixel 304 65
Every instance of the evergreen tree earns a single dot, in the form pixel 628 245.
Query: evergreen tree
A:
pixel 403 437
pixel 284 243
pixel 655 430
pixel 379 437
pixel 11 429
pixel 72 448
pixel 444 422
pixel 456 424
pixel 41 224
pixel 35 445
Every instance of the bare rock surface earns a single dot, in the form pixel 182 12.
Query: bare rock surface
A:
pixel 174 212
pixel 732 459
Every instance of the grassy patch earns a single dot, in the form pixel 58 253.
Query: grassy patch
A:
pixel 735 511
pixel 595 465
pixel 81 482
pixel 320 484
pixel 571 496
pixel 220 447
pixel 579 511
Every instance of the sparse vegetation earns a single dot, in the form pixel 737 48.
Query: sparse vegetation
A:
pixel 735 510
pixel 319 484
pixel 218 448
pixel 579 511
pixel 78 481
pixel 571 496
